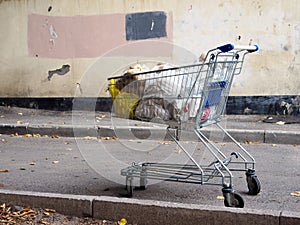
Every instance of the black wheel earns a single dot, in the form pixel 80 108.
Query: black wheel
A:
pixel 253 185
pixel 129 187
pixel 234 200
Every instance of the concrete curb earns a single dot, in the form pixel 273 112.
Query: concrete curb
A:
pixel 127 132
pixel 75 205
pixel 147 212
pixel 282 137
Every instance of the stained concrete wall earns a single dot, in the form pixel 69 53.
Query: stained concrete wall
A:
pixel 48 47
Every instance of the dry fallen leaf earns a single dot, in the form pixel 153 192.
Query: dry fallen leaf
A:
pixel 55 162
pixel 20 122
pixel 1 185
pixel 106 138
pixel 54 136
pixel 27 135
pixel 26 212
pixel 296 194
pixel 100 117
pixel 32 163
pixel 165 142
pixel 252 143
pixel 280 123
pixel 36 135
pixel 45 222
pixel 122 221
pixel 46 213
pixel 3 140
pixel 4 171
pixel 66 142
pixel 50 210
pixel 69 149
pixel 89 138
pixel 220 197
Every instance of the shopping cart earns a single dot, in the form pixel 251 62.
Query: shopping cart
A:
pixel 189 98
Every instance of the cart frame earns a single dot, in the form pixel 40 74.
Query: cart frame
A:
pixel 201 99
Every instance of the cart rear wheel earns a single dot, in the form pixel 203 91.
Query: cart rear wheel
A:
pixel 253 185
pixel 234 200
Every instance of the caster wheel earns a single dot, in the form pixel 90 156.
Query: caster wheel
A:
pixel 129 187
pixel 234 200
pixel 253 185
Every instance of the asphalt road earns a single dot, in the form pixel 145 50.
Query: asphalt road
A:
pixel 92 167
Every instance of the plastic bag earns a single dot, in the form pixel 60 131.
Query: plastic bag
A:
pixel 124 104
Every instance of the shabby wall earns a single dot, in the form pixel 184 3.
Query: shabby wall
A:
pixel 48 46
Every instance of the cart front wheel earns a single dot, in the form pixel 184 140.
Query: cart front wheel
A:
pixel 253 185
pixel 233 200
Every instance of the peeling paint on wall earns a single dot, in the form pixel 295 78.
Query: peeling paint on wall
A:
pixel 61 71
pixel 89 36
pixel 79 36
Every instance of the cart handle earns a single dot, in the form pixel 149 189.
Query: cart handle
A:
pixel 229 47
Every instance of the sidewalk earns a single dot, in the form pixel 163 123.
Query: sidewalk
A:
pixel 244 128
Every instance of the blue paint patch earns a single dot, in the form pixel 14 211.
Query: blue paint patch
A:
pixel 146 25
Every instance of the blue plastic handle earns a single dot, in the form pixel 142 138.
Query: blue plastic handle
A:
pixel 254 50
pixel 229 47
pixel 226 48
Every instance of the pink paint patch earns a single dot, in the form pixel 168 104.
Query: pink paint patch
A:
pixel 80 36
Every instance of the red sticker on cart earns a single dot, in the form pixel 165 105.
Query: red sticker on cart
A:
pixel 205 114
pixel 186 108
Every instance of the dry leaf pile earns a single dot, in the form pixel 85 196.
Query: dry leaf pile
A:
pixel 14 215
pixel 252 143
pixel 108 138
